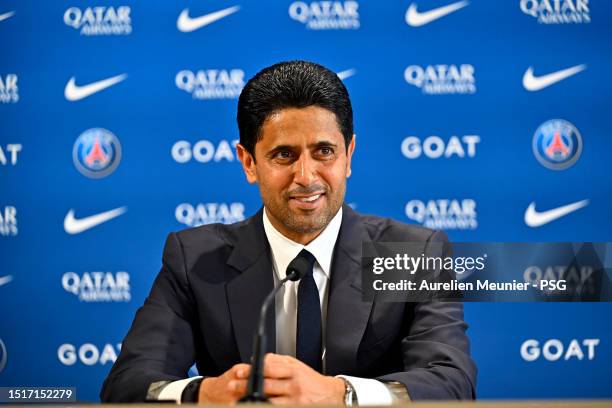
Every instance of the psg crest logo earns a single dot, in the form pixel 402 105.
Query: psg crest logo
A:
pixel 557 144
pixel 96 153
pixel 3 355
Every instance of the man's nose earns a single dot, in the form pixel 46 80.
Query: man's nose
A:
pixel 305 170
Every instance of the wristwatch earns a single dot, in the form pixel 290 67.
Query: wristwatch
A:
pixel 350 397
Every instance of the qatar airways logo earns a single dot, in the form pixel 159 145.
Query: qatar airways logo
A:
pixel 580 279
pixel 99 20
pixel 326 15
pixel 557 11
pixel 446 214
pixel 557 350
pixel 435 147
pixel 88 354
pixel 209 213
pixel 211 83
pixel 98 286
pixel 8 221
pixel 204 151
pixel 9 154
pixel 9 91
pixel 442 79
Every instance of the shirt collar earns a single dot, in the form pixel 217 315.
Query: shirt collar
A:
pixel 285 250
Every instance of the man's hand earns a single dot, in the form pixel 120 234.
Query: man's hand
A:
pixel 228 388
pixel 289 381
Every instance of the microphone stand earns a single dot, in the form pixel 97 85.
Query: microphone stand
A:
pixel 255 393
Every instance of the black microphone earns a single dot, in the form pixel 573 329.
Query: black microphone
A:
pixel 255 392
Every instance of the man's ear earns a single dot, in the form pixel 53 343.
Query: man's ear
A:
pixel 349 155
pixel 248 163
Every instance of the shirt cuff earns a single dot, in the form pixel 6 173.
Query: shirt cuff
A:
pixel 174 390
pixel 369 391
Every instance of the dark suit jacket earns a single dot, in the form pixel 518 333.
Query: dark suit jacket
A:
pixel 205 302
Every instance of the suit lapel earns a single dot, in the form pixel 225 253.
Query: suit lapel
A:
pixel 347 314
pixel 246 292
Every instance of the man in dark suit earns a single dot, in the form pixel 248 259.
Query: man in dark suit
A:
pixel 327 345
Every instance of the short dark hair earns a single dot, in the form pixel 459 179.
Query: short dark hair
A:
pixel 291 84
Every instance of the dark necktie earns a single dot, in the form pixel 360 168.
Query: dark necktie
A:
pixel 309 331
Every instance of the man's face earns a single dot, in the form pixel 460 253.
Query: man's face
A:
pixel 301 168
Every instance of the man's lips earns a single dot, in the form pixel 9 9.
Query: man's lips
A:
pixel 310 198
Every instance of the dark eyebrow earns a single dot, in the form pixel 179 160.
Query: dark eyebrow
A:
pixel 324 143
pixel 282 147
pixel 285 147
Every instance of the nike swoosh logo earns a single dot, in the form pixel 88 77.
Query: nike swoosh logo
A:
pixel 5 279
pixel 346 73
pixel 6 15
pixel 416 19
pixel 74 92
pixel 75 226
pixel 187 24
pixel 533 83
pixel 534 219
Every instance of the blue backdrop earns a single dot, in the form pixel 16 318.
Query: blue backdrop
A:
pixel 452 105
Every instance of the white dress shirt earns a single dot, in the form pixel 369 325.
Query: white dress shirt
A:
pixel 284 250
